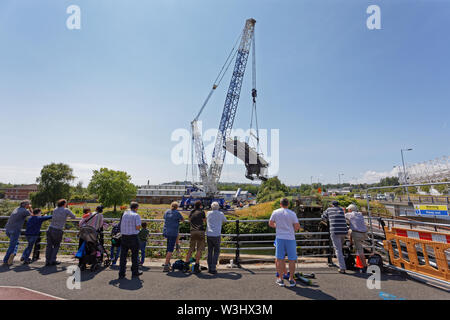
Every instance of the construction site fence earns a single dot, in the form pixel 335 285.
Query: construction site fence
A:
pixel 420 251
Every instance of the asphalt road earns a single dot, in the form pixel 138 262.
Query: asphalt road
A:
pixel 228 284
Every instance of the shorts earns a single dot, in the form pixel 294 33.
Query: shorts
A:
pixel 358 238
pixel 171 240
pixel 286 247
pixel 197 241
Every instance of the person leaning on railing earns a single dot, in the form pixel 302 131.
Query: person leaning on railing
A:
pixel 55 231
pixel 214 220
pixel 338 230
pixel 13 228
pixel 358 231
pixel 129 229
pixel 172 218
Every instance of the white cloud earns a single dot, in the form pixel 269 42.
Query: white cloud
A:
pixel 24 175
pixel 18 175
pixel 372 176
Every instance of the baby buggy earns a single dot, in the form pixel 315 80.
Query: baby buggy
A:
pixel 91 251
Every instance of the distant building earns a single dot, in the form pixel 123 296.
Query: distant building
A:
pixel 231 195
pixel 160 194
pixel 20 192
pixel 343 191
pixel 167 193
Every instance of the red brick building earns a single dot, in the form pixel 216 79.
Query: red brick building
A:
pixel 20 192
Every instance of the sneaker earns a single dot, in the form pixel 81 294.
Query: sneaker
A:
pixel 140 273
pixel 342 271
pixel 197 268
pixel 285 276
pixel 292 283
pixel 166 268
pixel 11 259
pixel 280 282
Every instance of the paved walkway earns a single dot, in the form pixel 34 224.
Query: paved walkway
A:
pixel 254 282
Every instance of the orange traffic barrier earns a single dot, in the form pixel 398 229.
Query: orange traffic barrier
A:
pixel 430 244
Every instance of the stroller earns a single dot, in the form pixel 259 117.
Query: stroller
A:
pixel 91 251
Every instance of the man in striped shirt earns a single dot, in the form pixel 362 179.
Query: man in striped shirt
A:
pixel 338 230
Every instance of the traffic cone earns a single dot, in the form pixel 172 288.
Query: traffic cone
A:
pixel 359 263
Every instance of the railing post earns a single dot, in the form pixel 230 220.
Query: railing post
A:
pixel 237 262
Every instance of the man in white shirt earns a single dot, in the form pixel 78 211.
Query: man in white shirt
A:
pixel 285 222
pixel 130 224
pixel 358 231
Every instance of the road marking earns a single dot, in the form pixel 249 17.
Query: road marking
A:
pixel 30 290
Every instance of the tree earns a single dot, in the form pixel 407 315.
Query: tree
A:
pixel 113 188
pixel 389 181
pixel 53 184
pixel 272 189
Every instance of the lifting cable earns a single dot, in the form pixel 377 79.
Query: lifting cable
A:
pixel 254 95
pixel 221 74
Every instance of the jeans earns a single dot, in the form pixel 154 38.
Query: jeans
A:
pixel 115 257
pixel 338 240
pixel 142 245
pixel 37 248
pixel 13 236
pixel 213 252
pixel 54 238
pixel 129 242
pixel 31 241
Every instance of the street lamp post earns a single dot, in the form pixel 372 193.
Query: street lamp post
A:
pixel 340 174
pixel 404 172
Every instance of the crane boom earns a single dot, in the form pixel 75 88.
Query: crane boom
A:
pixel 230 106
pixel 210 175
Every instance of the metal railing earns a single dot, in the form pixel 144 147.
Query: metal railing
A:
pixel 309 242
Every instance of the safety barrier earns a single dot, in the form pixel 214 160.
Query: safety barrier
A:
pixel 427 252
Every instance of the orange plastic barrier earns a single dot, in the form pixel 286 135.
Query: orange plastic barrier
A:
pixel 433 243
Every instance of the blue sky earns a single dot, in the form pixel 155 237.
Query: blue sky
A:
pixel 344 98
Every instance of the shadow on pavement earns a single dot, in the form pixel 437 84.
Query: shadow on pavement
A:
pixel 385 276
pixel 46 270
pixel 314 294
pixel 205 275
pixel 127 284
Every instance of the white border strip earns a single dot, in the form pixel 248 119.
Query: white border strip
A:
pixel 31 290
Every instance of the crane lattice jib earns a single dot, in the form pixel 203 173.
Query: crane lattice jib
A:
pixel 231 103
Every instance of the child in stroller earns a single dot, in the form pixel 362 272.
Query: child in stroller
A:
pixel 91 250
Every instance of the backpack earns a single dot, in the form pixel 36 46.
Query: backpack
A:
pixel 116 236
pixel 178 265
pixel 375 260
pixel 349 258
